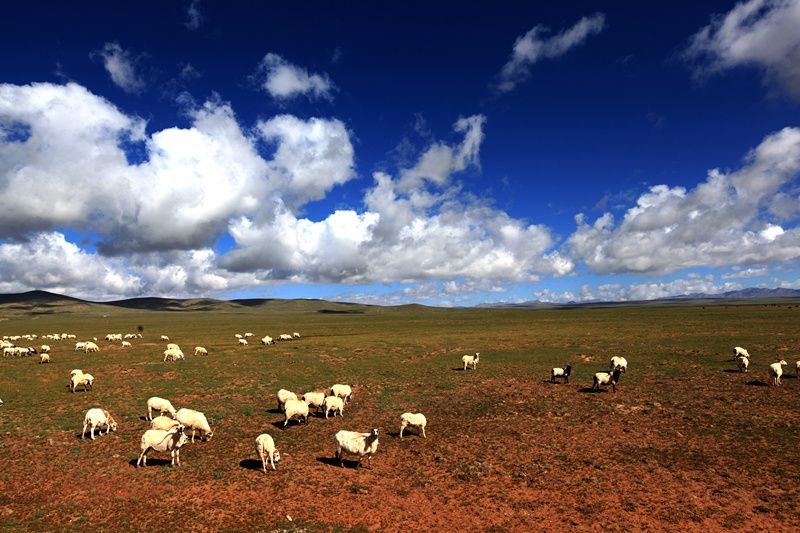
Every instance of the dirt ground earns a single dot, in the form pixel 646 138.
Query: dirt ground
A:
pixel 641 460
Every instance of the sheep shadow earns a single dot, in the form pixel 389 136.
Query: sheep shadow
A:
pixel 732 371
pixel 333 461
pixel 592 390
pixel 151 462
pixel 757 383
pixel 251 464
pixel 279 424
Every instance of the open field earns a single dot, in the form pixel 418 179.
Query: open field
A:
pixel 686 444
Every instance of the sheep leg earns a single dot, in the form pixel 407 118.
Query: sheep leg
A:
pixel 401 431
pixel 84 431
pixel 142 455
pixel 423 432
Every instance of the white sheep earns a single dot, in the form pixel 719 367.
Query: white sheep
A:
pixel 162 441
pixel 248 335
pixel 797 369
pixel 91 347
pixel 267 340
pixel 44 358
pixel 738 350
pixel 96 418
pixel 333 403
pixel 283 396
pixel 173 355
pixel 199 350
pixel 471 361
pixel 126 344
pixel 354 443
pixel 314 399
pixel 285 337
pixel 87 380
pixel 556 373
pixel 776 371
pixel 164 338
pixel 342 391
pixel 164 423
pixel 414 420
pixel 238 336
pixel 44 349
pixel 195 420
pixel 296 335
pixel 743 362
pixel 265 447
pixel 173 346
pixel 160 405
pixel 242 342
pixel 606 378
pixel 80 346
pixel 295 409
pixel 619 363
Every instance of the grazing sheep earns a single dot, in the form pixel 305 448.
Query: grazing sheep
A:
pixel 164 338
pixel 354 443
pixel 265 447
pixel 267 340
pixel 173 355
pixel 284 396
pixel 80 346
pixel 342 391
pixel 333 403
pixel 91 347
pixel 314 399
pixel 607 378
pixel 160 405
pixel 164 423
pixel 296 335
pixel 556 373
pixel 285 337
pixel 295 409
pixel 96 418
pixel 44 358
pixel 75 372
pixel 162 441
pixel 776 371
pixel 238 336
pixel 248 335
pixel 87 380
pixel 242 342
pixel 44 349
pixel 743 362
pixel 173 346
pixel 415 420
pixel 471 361
pixel 195 420
pixel 738 350
pixel 619 363
pixel 199 350
pixel 126 344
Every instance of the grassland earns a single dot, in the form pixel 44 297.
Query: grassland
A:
pixel 686 444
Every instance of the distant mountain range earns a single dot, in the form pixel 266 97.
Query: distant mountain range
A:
pixel 752 292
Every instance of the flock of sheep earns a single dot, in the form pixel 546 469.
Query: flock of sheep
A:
pixel 601 379
pixel 774 370
pixel 169 433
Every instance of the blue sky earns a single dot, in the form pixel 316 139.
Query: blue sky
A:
pixel 443 153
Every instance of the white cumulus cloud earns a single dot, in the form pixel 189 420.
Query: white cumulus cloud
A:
pixel 122 66
pixel 285 81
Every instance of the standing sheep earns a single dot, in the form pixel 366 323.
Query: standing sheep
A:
pixel 91 347
pixel 284 396
pixel 164 423
pixel 164 338
pixel 295 408
pixel 199 350
pixel 161 405
pixel 619 363
pixel 414 420
pixel 314 399
pixel 471 361
pixel 342 391
pixel 742 362
pixel 242 342
pixel 86 380
pixel 738 350
pixel 44 358
pixel 556 373
pixel 354 443
pixel 267 340
pixel 776 371
pixel 96 418
pixel 606 378
pixel 162 441
pixel 195 420
pixel 333 403
pixel 265 447
pixel 126 344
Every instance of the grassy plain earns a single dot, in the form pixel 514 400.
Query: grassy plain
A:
pixel 687 442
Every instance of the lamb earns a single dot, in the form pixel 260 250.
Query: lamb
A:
pixel 265 447
pixel 161 405
pixel 333 403
pixel 195 420
pixel 199 350
pixel 342 391
pixel 96 418
pixel 738 350
pixel 607 378
pixel 91 347
pixel 619 363
pixel 164 338
pixel 87 380
pixel 354 443
pixel 162 441
pixel 242 342
pixel 314 399
pixel 415 420
pixel 164 423
pixel 556 373
pixel 295 408
pixel 471 361
pixel 743 362
pixel 126 344
pixel 267 340
pixel 284 396
pixel 776 371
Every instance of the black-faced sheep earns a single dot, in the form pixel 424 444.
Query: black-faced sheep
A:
pixel 556 373
pixel 471 361
pixel 607 378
